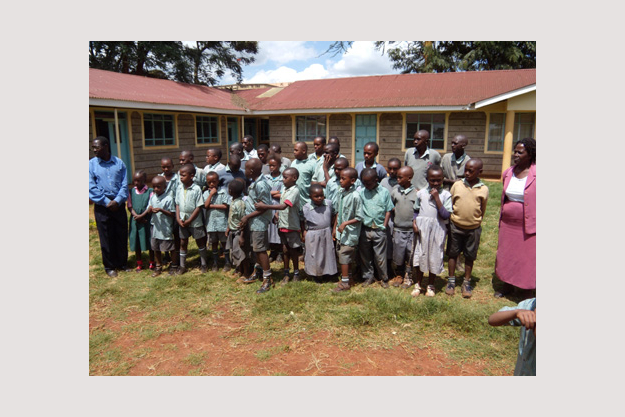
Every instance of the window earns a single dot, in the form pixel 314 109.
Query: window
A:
pixel 264 131
pixel 496 131
pixel 307 128
pixel 207 129
pixel 158 129
pixel 433 123
pixel 524 125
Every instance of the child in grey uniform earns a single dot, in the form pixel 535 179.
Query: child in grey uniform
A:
pixel 403 196
pixel 320 257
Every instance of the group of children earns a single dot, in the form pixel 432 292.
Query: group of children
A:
pixel 343 219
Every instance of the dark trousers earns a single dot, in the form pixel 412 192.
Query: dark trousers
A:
pixel 113 232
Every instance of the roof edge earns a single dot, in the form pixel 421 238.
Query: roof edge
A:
pixel 140 105
pixel 505 96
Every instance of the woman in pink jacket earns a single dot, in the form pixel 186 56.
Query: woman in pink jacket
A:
pixel 516 251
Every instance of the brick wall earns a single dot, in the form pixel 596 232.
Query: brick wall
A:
pixel 473 126
pixel 390 140
pixel 341 127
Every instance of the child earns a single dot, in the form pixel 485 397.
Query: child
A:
pixel 347 225
pixel 163 209
pixel 258 191
pixel 469 197
pixel 171 178
pixel 216 215
pixel 275 178
pixel 376 210
pixel 186 157
pixel 139 230
pixel 213 158
pixel 289 223
pixel 286 162
pixel 306 169
pixel 370 152
pixel 333 187
pixel 433 205
pixel 325 169
pixel 189 203
pixel 389 182
pixel 403 197
pixel 235 245
pixel 523 315
pixel 262 153
pixel 233 170
pixel 320 258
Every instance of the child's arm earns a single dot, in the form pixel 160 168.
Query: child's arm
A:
pixel 180 222
pixel 387 218
pixel 526 317
pixel 347 223
pixel 246 218
pixel 192 217
pixel 442 211
pixel 211 194
pixel 263 206
pixel 276 194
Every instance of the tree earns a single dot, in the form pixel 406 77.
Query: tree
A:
pixel 205 63
pixel 446 56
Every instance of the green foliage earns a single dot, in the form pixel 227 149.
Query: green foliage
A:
pixel 204 63
pixel 449 56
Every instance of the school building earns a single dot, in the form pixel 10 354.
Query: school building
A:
pixel 154 118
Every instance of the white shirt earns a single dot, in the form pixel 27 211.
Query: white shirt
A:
pixel 516 189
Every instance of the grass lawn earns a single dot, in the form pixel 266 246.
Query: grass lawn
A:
pixel 136 319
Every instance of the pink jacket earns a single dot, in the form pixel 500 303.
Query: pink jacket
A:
pixel 529 198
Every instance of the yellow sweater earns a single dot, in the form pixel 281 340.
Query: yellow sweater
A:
pixel 469 204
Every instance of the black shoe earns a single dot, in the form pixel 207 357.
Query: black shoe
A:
pixel 249 280
pixel 267 283
pixel 215 267
pixel 384 284
pixel 181 270
pixel 111 273
pixel 173 269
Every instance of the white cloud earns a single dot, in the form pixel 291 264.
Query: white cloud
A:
pixel 286 74
pixel 282 52
pixel 361 59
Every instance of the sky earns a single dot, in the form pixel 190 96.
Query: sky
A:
pixel 288 61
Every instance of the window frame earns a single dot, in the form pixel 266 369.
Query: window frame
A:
pixel 516 136
pixel 174 131
pixel 199 144
pixel 405 130
pixel 487 133
pixel 294 126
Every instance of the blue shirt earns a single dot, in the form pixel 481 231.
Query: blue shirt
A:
pixel 526 359
pixel 107 181
pixel 379 169
pixel 226 175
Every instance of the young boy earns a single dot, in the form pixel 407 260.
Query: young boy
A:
pixel 213 161
pixel 324 171
pixel 376 212
pixel 318 143
pixel 258 191
pixel 370 152
pixel 172 181
pixel 403 197
pixel 262 153
pixel 347 223
pixel 163 209
pixel 469 198
pixel 306 170
pixel 286 162
pixel 522 315
pixel 189 203
pixel 186 157
pixel 232 171
pixel 216 215
pixel 389 182
pixel 236 245
pixel 289 222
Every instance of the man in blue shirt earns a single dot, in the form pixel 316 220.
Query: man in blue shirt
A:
pixel 108 190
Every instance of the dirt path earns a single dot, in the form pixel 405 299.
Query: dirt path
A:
pixel 220 347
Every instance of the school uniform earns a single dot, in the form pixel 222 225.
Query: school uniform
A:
pixel 469 205
pixel 375 204
pixel 139 233
pixel 453 168
pixel 214 168
pixel 404 200
pixel 379 169
pixel 162 226
pixel 349 207
pixel 306 169
pixel 420 165
pixel 188 199
pixel 172 185
pixel 288 219
pixel 235 214
pixel 276 185
pixel 216 219
pixel 320 258
pixel 389 183
pixel 259 191
pixel 430 241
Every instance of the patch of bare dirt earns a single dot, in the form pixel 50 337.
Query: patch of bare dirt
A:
pixel 221 346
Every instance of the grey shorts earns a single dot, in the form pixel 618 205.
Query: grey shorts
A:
pixel 215 237
pixel 196 232
pixel 259 241
pixel 464 240
pixel 160 245
pixel 347 254
pixel 402 246
pixel 291 239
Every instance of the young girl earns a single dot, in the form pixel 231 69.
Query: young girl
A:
pixel 434 206
pixel 320 258
pixel 275 178
pixel 139 230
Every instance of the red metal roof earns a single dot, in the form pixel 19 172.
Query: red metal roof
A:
pixel 401 90
pixel 126 87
